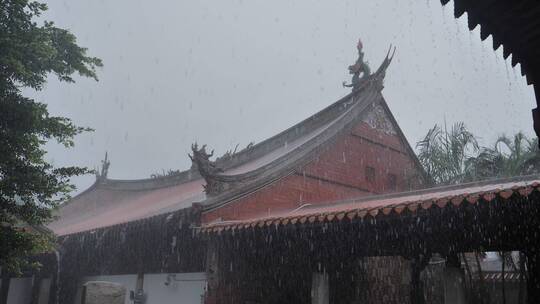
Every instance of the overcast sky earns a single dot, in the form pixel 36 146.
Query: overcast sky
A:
pixel 232 72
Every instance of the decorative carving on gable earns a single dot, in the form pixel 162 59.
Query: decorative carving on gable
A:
pixel 378 119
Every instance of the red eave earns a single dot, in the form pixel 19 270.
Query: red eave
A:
pixel 386 205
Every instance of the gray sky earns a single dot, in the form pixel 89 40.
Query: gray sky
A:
pixel 232 72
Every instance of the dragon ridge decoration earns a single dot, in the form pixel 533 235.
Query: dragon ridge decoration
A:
pixel 207 168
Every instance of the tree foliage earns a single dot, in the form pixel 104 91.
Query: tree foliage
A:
pixel 31 187
pixel 507 157
pixel 454 156
pixel 444 153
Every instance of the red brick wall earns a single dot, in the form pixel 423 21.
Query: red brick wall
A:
pixel 338 173
pixel 347 160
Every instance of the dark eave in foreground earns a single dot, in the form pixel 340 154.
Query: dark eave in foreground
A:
pixel 514 24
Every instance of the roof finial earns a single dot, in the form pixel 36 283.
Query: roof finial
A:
pixel 101 175
pixel 360 66
pixel 207 168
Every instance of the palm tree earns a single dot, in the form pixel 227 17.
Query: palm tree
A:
pixel 445 154
pixel 451 157
pixel 508 157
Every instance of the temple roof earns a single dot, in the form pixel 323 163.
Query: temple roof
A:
pixel 108 201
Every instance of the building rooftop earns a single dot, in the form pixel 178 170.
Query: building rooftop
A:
pixel 108 201
pixel 380 206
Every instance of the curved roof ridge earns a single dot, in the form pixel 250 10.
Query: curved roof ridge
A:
pixel 258 150
pixel 294 132
pixel 320 119
pixel 151 182
pixel 327 128
pixel 287 163
pixel 366 94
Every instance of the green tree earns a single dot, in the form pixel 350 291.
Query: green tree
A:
pixel 444 154
pixel 454 156
pixel 31 187
pixel 506 158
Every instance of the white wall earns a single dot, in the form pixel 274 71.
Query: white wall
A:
pixel 20 291
pixel 186 289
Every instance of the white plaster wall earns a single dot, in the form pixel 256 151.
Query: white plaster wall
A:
pixel 188 288
pixel 20 291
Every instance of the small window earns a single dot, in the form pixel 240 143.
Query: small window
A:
pixel 392 182
pixel 370 174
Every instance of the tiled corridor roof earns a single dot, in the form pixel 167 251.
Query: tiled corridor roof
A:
pixel 391 205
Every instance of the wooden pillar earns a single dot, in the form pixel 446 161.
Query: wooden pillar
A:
pixel 5 288
pixel 138 296
pixel 212 272
pixel 44 290
pixel 533 269
pixel 36 282
pixel 320 288
pixel 418 263
pixel 454 281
